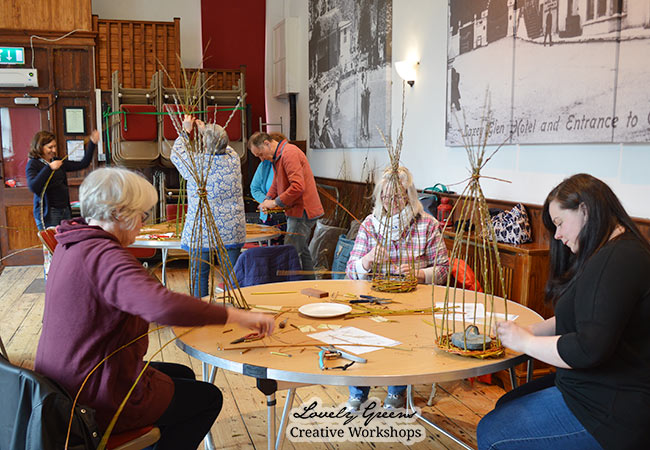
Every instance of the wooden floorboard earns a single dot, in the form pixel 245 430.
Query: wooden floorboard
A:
pixel 242 424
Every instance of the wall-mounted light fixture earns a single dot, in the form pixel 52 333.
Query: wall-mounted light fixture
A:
pixel 407 70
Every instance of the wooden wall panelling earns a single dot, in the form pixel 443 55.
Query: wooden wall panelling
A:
pixel 50 15
pixel 137 49
pixel 65 72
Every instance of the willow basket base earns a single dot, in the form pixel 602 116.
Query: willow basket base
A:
pixel 494 349
pixel 395 285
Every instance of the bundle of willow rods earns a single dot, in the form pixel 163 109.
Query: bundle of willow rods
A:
pixel 385 274
pixel 486 261
pixel 196 165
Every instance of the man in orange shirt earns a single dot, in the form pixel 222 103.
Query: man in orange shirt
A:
pixel 293 189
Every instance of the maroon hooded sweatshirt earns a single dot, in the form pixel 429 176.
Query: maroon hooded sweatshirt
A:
pixel 98 298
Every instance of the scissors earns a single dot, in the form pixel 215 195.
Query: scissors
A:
pixel 330 352
pixel 248 338
pixel 371 299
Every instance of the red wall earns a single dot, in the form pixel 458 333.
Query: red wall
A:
pixel 233 33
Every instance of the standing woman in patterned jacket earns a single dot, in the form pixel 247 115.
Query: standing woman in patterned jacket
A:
pixel 224 194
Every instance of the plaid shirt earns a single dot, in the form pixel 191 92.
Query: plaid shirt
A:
pixel 422 242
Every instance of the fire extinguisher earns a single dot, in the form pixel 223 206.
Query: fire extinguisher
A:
pixel 444 212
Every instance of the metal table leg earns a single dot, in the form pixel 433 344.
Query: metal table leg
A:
pixel 164 266
pixel 529 370
pixel 411 406
pixel 209 373
pixel 513 377
pixel 269 388
pixel 283 421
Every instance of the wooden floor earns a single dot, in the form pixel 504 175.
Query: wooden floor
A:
pixel 457 406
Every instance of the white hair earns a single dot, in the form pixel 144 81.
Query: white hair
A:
pixel 215 137
pixel 113 194
pixel 406 180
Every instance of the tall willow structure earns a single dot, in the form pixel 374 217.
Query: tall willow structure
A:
pixel 385 275
pixel 199 163
pixel 483 257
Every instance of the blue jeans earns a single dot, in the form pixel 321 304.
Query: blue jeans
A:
pixel 53 218
pixel 540 420
pixel 201 269
pixel 299 230
pixel 362 391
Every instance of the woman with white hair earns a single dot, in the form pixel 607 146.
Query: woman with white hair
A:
pixel 415 243
pixel 100 299
pixel 217 164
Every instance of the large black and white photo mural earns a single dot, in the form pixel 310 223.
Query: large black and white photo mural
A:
pixel 349 72
pixel 557 71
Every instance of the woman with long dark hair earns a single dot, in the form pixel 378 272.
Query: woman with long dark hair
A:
pixel 599 341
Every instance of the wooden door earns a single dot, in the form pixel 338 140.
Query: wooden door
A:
pixel 19 244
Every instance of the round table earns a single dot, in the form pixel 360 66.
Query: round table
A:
pixel 417 360
pixel 151 236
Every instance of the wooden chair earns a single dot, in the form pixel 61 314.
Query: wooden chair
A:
pixel 47 238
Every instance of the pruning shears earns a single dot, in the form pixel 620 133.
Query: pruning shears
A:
pixel 248 338
pixel 330 352
pixel 371 299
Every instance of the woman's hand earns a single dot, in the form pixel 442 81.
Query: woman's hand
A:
pixel 260 322
pixel 188 122
pixel 56 164
pixel 407 268
pixel 513 336
pixel 369 258
pixel 94 136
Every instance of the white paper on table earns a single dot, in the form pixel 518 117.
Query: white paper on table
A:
pixel 498 317
pixel 472 315
pixel 457 315
pixel 352 335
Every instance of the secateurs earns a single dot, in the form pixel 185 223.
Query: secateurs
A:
pixel 330 352
pixel 248 338
pixel 371 299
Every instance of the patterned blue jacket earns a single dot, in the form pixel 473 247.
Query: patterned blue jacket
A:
pixel 225 196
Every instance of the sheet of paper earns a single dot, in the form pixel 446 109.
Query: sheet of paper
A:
pixel 458 314
pixel 353 335
pixel 471 314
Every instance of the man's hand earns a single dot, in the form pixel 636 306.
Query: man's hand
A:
pixel 267 204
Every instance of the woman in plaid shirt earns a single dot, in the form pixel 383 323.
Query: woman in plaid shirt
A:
pixel 415 243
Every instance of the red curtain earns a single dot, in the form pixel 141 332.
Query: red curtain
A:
pixel 234 33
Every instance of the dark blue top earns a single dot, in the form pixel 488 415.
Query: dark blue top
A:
pixel 56 193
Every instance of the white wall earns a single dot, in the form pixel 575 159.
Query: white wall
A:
pixel 189 12
pixel 419 28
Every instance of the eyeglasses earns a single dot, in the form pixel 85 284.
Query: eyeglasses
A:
pixel 145 216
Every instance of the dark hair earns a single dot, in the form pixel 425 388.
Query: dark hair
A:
pixel 258 138
pixel 39 140
pixel 604 214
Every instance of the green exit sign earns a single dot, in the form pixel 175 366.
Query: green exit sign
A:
pixel 12 55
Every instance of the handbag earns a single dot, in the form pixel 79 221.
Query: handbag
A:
pixel 512 227
pixel 341 256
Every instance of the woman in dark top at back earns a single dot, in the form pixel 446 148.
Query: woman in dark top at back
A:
pixel 599 339
pixel 41 164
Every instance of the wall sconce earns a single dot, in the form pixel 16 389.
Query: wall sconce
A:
pixel 407 70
